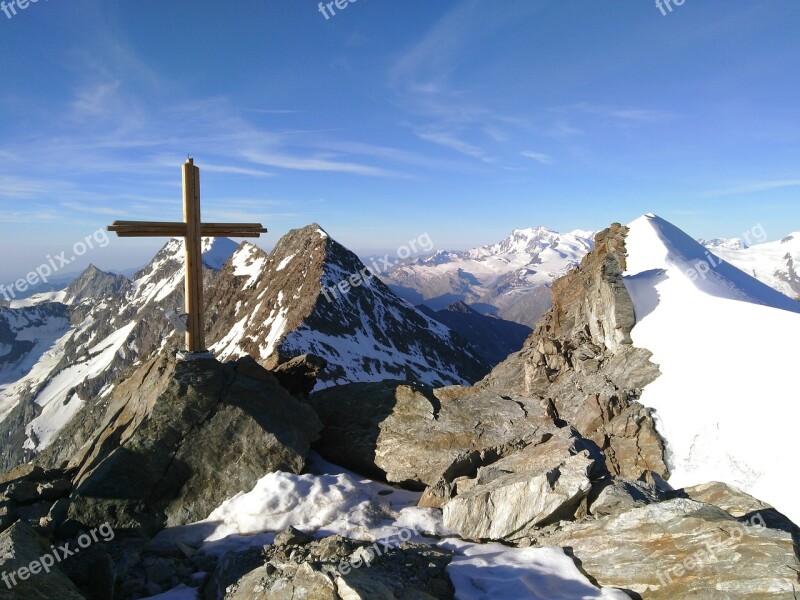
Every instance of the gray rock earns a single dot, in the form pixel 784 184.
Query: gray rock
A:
pixel 23 491
pixel 337 568
pixel 19 549
pixel 539 485
pixel 299 374
pixel 680 550
pixel 620 495
pixel 181 437
pixel 415 435
pixel 292 537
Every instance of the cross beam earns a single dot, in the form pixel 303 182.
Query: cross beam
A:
pixel 192 229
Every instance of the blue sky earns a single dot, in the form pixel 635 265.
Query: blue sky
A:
pixel 463 119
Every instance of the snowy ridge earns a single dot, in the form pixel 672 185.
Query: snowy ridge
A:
pixel 725 401
pixel 164 274
pixel 65 365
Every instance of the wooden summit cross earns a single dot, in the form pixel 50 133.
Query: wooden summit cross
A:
pixel 192 230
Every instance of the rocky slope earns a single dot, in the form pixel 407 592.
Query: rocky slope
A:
pixel 180 437
pixel 551 454
pixel 313 296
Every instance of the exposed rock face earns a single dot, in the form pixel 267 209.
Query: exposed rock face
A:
pixel 313 296
pixel 94 283
pixel 580 361
pixel 541 484
pixel 416 435
pixel 19 548
pixel 180 437
pixel 680 550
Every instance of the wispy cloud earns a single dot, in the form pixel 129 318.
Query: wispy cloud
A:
pixel 538 157
pixel 448 140
pixel 298 163
pixel 754 187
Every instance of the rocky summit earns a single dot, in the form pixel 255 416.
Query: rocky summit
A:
pixel 313 296
pixel 334 449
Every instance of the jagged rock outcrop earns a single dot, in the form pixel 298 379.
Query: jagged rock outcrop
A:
pixel 581 362
pixel 417 436
pixel 179 437
pixel 311 295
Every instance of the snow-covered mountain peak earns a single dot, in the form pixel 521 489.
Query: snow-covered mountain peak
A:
pixel 165 272
pixel 655 244
pixel 311 295
pixel 723 342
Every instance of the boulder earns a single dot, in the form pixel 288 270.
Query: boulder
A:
pixel 299 374
pixel 416 435
pixel 180 437
pixel 681 549
pixel 539 485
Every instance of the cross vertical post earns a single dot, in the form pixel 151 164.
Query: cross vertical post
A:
pixel 195 321
pixel 192 230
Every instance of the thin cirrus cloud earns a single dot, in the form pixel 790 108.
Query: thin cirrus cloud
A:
pixel 539 157
pixel 754 187
pixel 298 163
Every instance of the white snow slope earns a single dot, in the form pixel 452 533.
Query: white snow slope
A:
pixel 726 401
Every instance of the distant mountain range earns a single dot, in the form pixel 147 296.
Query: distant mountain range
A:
pixel 775 263
pixel 510 279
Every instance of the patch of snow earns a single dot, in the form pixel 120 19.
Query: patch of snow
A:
pixel 491 571
pixel 285 262
pixel 331 500
pixel 41 298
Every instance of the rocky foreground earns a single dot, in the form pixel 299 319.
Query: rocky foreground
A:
pixel 550 455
